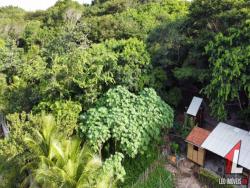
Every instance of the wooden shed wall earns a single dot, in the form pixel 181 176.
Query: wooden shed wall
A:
pixel 197 156
pixel 190 151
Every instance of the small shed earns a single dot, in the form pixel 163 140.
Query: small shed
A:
pixel 195 109
pixel 194 141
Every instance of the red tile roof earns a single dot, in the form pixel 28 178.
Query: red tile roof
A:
pixel 197 136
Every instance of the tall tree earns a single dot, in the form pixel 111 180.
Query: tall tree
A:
pixel 229 56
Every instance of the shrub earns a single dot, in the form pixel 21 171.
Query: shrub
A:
pixel 210 179
pixel 175 148
pixel 126 122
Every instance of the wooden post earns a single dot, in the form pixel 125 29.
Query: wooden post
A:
pixel 4 126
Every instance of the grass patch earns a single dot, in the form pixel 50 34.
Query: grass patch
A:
pixel 159 178
pixel 135 167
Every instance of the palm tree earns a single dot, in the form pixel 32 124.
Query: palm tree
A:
pixel 63 162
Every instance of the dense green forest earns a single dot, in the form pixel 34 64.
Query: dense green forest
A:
pixel 88 89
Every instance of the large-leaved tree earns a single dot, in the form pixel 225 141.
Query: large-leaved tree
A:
pixel 126 122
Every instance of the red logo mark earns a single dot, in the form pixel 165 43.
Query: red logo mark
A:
pixel 232 160
pixel 244 181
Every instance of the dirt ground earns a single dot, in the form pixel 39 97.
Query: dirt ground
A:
pixel 184 176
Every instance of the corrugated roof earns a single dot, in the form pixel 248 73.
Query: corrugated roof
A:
pixel 194 106
pixel 197 136
pixel 224 137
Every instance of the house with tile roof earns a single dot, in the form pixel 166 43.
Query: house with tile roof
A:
pixel 220 142
pixel 217 143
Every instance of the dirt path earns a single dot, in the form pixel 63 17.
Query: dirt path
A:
pixel 184 177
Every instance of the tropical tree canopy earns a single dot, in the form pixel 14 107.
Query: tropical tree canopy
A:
pixel 128 120
pixel 110 74
pixel 229 55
